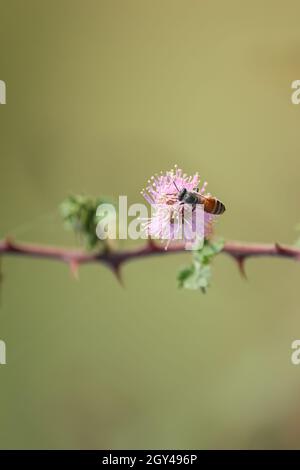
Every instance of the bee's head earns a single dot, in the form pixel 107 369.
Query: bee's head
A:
pixel 181 194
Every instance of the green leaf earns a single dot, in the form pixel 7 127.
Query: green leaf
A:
pixel 195 277
pixel 79 215
pixel 184 274
pixel 198 274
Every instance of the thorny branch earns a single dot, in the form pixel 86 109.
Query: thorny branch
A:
pixel 239 251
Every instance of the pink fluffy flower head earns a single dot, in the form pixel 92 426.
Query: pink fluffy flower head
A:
pixel 170 214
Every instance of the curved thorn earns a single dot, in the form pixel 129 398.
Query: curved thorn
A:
pixel 117 272
pixel 74 268
pixel 279 248
pixel 241 265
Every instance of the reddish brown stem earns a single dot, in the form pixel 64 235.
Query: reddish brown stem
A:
pixel 114 259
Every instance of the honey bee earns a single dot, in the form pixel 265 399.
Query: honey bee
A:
pixel 211 204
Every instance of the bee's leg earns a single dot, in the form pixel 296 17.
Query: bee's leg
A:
pixel 181 207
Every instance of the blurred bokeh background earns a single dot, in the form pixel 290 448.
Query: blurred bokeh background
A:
pixel 101 95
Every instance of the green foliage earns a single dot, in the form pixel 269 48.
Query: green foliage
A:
pixel 79 214
pixel 198 274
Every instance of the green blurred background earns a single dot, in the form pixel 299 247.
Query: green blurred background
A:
pixel 101 95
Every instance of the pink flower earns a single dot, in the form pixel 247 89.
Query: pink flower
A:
pixel 171 219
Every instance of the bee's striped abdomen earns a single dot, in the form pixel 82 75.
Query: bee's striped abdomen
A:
pixel 219 207
pixel 214 206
